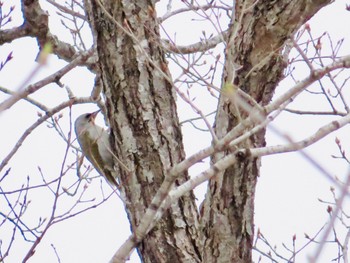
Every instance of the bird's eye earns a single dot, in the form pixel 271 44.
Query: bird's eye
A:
pixel 87 116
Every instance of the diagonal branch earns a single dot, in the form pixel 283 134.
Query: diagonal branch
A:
pixel 41 120
pixel 200 46
pixel 36 25
pixel 50 79
pixel 164 198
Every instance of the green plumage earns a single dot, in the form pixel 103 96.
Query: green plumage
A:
pixel 95 145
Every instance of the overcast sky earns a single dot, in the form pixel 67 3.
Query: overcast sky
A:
pixel 288 188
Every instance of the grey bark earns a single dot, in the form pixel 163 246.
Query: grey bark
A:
pixel 147 137
pixel 228 209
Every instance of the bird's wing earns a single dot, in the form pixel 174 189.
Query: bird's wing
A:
pixel 93 155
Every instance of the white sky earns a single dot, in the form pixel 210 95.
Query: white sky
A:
pixel 287 191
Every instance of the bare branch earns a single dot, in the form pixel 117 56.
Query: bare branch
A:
pixel 219 166
pixel 30 100
pixel 41 120
pixel 189 8
pixel 201 46
pixel 335 212
pixel 344 62
pixel 66 10
pixel 50 79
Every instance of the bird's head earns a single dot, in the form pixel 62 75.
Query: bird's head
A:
pixel 85 121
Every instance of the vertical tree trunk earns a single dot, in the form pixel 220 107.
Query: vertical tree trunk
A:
pixel 255 51
pixel 143 117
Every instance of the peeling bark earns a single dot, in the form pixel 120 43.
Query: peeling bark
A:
pixel 142 112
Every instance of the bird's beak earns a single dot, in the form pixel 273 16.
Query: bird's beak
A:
pixel 94 114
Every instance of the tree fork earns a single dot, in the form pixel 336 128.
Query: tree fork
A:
pixel 145 129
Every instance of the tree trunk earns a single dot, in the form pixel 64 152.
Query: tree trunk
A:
pixel 143 117
pixel 145 129
pixel 255 51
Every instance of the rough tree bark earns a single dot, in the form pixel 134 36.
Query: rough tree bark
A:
pixel 147 137
pixel 255 51
pixel 142 113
